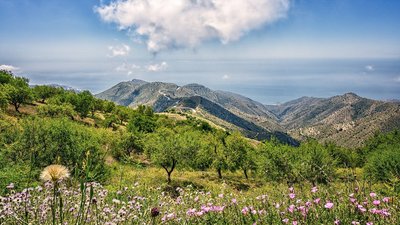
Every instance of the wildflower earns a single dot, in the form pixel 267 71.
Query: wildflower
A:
pixel 314 189
pixel 372 194
pixel 316 201
pixel 191 212
pixel 291 208
pixel 337 222
pixel 10 186
pixel 329 205
pixel 234 201
pixel 352 200
pixel 370 223
pixel 155 212
pixel 355 223
pixel 292 195
pixel 285 220
pixel 54 173
pixel 291 189
pixel 386 199
pixel 294 222
pixel 221 195
pixel 245 210
pixel 376 202
pixel 196 199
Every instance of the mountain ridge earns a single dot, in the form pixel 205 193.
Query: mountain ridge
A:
pixel 346 119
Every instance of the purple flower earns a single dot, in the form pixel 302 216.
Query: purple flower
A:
pixel 337 222
pixel 316 201
pixel 234 201
pixel 314 189
pixel 154 212
pixel 292 195
pixel 372 194
pixel 329 205
pixel 285 220
pixel 376 202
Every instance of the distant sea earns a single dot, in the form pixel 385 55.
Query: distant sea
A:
pixel 278 81
pixel 267 81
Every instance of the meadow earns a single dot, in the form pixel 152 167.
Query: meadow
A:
pixel 117 165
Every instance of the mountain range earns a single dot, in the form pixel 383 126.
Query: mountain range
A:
pixel 348 120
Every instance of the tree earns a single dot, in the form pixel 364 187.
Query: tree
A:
pixel 18 92
pixel 169 148
pixel 214 154
pixel 83 103
pixel 122 113
pixel 142 120
pixel 5 77
pixel 4 99
pixel 239 153
pixel 43 92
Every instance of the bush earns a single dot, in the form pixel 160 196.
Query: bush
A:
pixel 63 110
pixel 384 165
pixel 44 142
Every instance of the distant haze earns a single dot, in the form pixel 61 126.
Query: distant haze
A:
pixel 267 81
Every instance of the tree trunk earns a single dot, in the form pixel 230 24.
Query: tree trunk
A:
pixel 169 177
pixel 245 174
pixel 169 172
pixel 16 106
pixel 219 173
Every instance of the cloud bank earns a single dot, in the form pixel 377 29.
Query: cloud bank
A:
pixel 119 50
pixel 9 68
pixel 165 24
pixel 157 67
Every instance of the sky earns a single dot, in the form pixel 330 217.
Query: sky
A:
pixel 269 50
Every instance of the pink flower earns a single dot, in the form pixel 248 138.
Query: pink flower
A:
pixel 372 194
pixel 386 199
pixel 352 200
pixel 234 201
pixel 376 202
pixel 314 189
pixel 355 223
pixel 245 210
pixel 370 223
pixel 291 208
pixel 221 195
pixel 285 220
pixel 292 195
pixel 291 189
pixel 294 222
pixel 337 222
pixel 316 201
pixel 329 205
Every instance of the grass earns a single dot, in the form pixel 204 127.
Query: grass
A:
pixel 141 196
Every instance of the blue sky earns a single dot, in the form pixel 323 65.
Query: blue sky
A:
pixel 93 44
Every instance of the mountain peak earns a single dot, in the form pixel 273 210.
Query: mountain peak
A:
pixel 138 81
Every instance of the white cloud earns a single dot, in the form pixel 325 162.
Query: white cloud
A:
pixel 9 68
pixel 119 50
pixel 225 77
pixel 165 24
pixel 157 67
pixel 369 68
pixel 128 68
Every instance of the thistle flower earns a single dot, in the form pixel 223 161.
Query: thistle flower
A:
pixel 54 173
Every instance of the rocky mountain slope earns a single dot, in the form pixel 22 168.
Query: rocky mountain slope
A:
pixel 237 110
pixel 347 120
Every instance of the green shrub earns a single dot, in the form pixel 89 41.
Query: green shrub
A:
pixel 384 165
